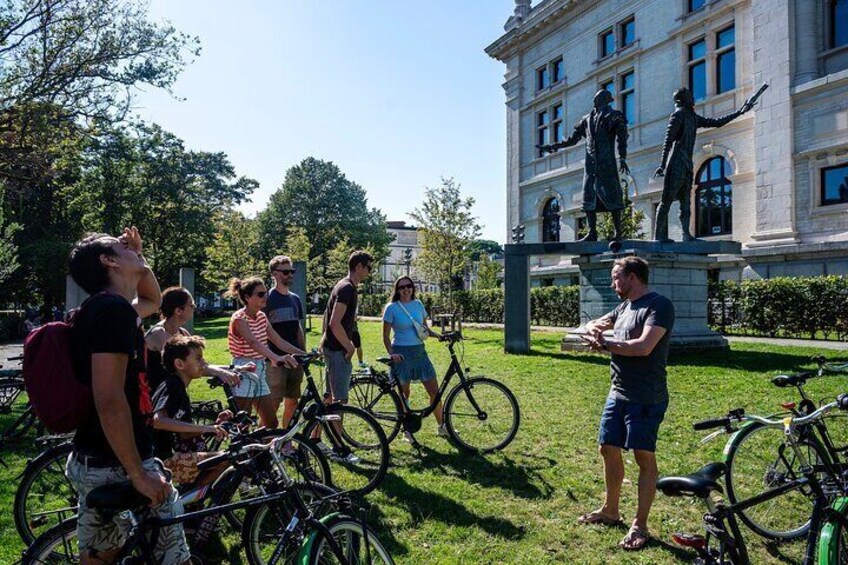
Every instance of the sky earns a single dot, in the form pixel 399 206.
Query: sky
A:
pixel 397 93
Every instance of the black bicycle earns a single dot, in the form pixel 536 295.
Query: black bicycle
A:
pixel 14 406
pixel 481 414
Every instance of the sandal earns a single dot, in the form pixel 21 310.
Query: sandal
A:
pixel 598 518
pixel 635 539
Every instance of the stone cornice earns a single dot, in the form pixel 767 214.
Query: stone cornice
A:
pixel 542 16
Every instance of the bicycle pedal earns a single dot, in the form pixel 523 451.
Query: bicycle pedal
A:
pixel 694 541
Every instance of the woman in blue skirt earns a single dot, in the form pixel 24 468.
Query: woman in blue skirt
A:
pixel 406 316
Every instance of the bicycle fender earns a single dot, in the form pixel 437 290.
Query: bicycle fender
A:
pixel 828 543
pixel 306 546
pixel 46 454
pixel 731 442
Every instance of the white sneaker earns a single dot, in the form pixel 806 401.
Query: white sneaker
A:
pixel 407 437
pixel 443 431
pixel 350 458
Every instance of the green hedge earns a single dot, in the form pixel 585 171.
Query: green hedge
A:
pixel 549 306
pixel 810 307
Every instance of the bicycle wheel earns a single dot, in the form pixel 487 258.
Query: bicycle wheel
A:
pixel 265 525
pixel 16 414
pixel 485 424
pixel 355 446
pixel 56 546
pixel 206 413
pixel 42 492
pixel 358 543
pixel 384 405
pixel 759 459
pixel 833 537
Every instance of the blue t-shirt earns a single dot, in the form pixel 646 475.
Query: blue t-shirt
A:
pixel 404 331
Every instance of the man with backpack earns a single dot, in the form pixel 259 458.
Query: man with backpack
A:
pixel 114 443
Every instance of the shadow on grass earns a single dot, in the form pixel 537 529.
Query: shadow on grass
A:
pixel 521 480
pixel 773 549
pixel 752 361
pixel 680 554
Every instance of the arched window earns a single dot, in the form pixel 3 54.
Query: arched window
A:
pixel 714 198
pixel 550 220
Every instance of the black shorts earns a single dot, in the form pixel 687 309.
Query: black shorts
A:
pixel 356 339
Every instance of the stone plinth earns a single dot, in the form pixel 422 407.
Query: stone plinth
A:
pixel 678 271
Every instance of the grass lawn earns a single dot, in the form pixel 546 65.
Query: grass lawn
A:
pixel 520 506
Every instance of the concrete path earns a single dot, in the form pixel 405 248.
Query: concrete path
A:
pixel 7 350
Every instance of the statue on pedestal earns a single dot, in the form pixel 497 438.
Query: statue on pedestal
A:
pixel 603 128
pixel 677 161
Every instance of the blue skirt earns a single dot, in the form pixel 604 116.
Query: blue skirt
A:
pixel 416 366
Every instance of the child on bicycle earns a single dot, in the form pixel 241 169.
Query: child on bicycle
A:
pixel 177 438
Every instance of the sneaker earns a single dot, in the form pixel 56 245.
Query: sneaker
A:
pixel 407 437
pixel 363 365
pixel 324 448
pixel 350 458
pixel 443 431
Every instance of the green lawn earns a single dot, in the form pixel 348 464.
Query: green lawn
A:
pixel 521 506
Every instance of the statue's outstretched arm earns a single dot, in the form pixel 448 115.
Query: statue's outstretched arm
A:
pixel 577 134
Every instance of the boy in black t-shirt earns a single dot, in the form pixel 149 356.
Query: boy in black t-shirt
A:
pixel 177 437
pixel 115 443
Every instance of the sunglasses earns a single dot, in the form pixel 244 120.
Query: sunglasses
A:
pixel 286 271
pixel 405 286
pixel 261 293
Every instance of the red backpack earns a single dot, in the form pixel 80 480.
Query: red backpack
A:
pixel 58 398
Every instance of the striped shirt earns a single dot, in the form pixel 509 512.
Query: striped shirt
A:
pixel 258 327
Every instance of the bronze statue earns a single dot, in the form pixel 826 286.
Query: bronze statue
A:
pixel 677 160
pixel 602 128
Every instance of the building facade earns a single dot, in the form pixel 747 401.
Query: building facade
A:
pixel 775 179
pixel 403 251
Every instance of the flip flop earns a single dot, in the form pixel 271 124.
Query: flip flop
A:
pixel 635 539
pixel 598 518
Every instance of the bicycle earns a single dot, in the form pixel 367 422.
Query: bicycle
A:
pixel 13 402
pixel 757 457
pixel 720 522
pixel 481 414
pixel 296 530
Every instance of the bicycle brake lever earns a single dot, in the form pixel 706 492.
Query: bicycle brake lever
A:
pixel 708 438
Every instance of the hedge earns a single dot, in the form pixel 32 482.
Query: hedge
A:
pixel 549 306
pixel 812 307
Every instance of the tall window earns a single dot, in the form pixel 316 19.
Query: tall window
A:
pixel 627 32
pixel 834 185
pixel 556 124
pixel 725 60
pixel 628 95
pixel 714 198
pixel 542 78
pixel 838 14
pixel 543 136
pixel 695 4
pixel 607 43
pixel 698 69
pixel 557 71
pixel 609 86
pixel 550 220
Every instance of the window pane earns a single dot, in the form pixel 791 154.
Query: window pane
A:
pixel 542 78
pixel 726 37
pixel 607 43
pixel 839 23
pixel 705 173
pixel 835 185
pixel 696 5
pixel 542 118
pixel 715 168
pixel 559 132
pixel 628 81
pixel 629 109
pixel 703 206
pixel 558 70
pixel 715 210
pixel 542 138
pixel 558 112
pixel 726 69
pixel 697 50
pixel 628 32
pixel 698 80
pixel 609 87
pixel 727 225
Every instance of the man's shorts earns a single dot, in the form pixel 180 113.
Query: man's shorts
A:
pixel 253 385
pixel 338 373
pixel 284 382
pixel 631 425
pixel 356 339
pixel 102 533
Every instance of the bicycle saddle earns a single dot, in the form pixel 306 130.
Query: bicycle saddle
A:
pixel 699 484
pixel 385 360
pixel 116 498
pixel 784 381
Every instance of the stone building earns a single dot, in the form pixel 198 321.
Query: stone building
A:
pixel 395 264
pixel 775 179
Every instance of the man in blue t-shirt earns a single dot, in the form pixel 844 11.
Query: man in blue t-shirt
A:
pixel 285 312
pixel 638 396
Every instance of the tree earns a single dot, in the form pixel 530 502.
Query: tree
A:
pixel 234 251
pixel 8 250
pixel 631 223
pixel 480 247
pixel 446 229
pixel 487 273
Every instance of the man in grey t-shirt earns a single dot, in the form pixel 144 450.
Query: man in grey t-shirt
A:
pixel 638 396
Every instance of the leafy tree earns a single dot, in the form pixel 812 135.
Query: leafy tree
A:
pixel 8 249
pixel 631 223
pixel 480 247
pixel 446 228
pixel 487 273
pixel 234 251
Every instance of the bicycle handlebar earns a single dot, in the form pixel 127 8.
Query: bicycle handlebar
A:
pixel 841 403
pixel 710 424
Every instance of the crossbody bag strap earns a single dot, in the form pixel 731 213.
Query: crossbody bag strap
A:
pixel 414 323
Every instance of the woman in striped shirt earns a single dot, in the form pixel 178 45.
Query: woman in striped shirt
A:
pixel 247 337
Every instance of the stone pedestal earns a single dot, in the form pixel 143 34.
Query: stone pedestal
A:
pixel 680 275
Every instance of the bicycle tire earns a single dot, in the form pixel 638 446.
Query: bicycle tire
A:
pixel 56 546
pixel 19 414
pixel 348 533
pixel 833 536
pixel 383 404
pixel 43 487
pixel 361 436
pixel 467 430
pixel 261 525
pixel 768 463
